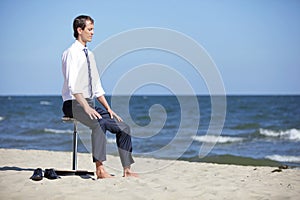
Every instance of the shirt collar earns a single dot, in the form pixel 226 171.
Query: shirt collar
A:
pixel 79 45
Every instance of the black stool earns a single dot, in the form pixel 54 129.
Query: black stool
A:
pixel 74 170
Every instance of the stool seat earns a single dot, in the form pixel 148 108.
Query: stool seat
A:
pixel 74 170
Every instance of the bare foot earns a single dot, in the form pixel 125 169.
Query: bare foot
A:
pixel 100 171
pixel 103 174
pixel 128 173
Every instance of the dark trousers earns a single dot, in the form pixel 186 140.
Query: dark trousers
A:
pixel 99 127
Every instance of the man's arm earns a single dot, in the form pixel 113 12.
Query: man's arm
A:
pixel 87 108
pixel 112 114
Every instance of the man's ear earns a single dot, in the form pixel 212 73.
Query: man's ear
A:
pixel 79 30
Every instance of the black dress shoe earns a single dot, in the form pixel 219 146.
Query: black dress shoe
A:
pixel 51 174
pixel 37 174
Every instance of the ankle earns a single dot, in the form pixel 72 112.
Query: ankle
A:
pixel 128 172
pixel 126 169
pixel 100 167
pixel 99 163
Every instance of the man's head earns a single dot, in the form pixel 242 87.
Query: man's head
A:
pixel 83 27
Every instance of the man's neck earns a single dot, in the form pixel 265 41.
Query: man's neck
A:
pixel 82 42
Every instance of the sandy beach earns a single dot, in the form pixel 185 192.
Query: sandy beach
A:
pixel 159 179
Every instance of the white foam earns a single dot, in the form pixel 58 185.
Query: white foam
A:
pixel 279 158
pixel 111 140
pixel 290 134
pixel 1 118
pixel 46 103
pixel 50 130
pixel 218 139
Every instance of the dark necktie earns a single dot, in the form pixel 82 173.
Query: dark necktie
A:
pixel 89 71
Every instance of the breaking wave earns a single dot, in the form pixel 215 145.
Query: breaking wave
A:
pixel 46 103
pixel 111 140
pixel 290 134
pixel 279 158
pixel 218 139
pixel 50 130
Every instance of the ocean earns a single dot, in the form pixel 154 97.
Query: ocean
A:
pixel 258 130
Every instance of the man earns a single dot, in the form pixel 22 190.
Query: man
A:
pixel 81 86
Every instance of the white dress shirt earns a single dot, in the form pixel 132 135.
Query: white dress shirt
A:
pixel 75 72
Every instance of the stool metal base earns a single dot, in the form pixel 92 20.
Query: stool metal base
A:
pixel 74 170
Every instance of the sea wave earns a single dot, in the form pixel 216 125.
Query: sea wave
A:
pixel 111 140
pixel 280 158
pixel 46 103
pixel 50 130
pixel 290 134
pixel 1 118
pixel 218 139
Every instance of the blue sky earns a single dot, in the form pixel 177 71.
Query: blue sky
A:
pixel 255 44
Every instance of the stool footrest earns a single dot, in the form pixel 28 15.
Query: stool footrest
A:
pixel 73 172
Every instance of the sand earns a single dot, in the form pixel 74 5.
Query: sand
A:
pixel 159 179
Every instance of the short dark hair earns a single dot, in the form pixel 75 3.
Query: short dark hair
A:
pixel 80 22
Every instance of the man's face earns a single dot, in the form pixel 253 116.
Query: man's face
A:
pixel 88 32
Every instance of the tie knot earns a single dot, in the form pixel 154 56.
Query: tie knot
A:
pixel 85 51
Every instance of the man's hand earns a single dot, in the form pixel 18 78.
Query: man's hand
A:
pixel 92 113
pixel 113 114
pixel 87 108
